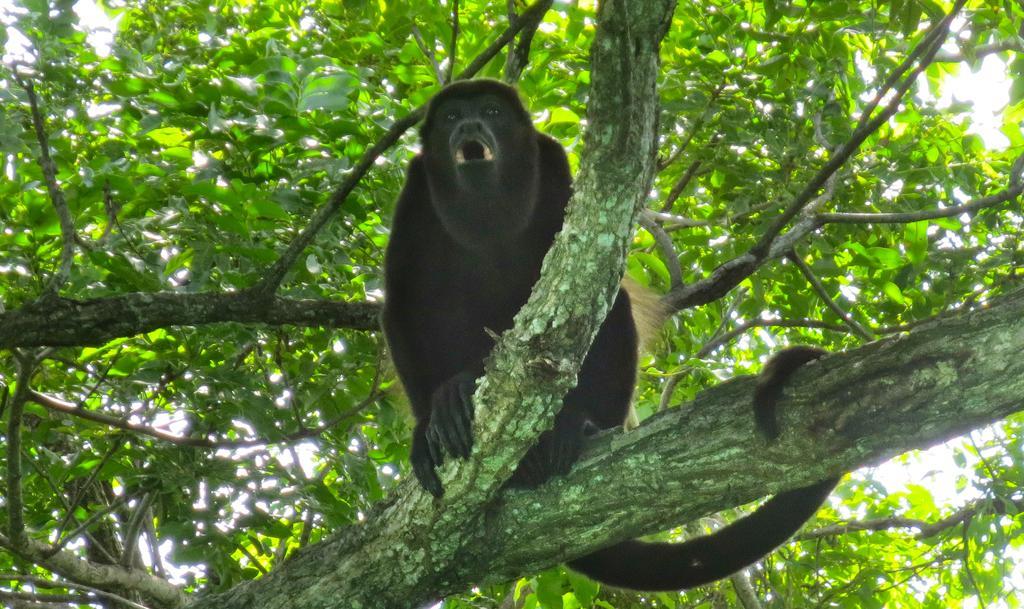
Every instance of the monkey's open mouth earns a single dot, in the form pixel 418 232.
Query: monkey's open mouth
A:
pixel 473 150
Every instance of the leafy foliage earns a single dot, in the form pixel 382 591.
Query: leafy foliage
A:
pixel 196 146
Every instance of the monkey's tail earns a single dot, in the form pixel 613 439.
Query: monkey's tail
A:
pixel 655 567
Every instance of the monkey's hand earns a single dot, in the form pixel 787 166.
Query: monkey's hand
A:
pixel 449 430
pixel 554 454
pixel 773 379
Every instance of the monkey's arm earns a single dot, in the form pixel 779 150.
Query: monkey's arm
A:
pixel 419 333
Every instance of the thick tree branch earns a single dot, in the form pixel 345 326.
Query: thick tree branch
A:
pixel 842 412
pixel 63 322
pixel 533 365
pixel 42 582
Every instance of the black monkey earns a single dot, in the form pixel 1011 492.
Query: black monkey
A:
pixel 480 208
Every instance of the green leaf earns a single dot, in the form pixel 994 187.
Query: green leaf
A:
pixel 165 99
pixel 549 589
pixel 886 257
pixel 327 92
pixel 168 136
pixel 893 292
pixel 718 57
pixel 563 116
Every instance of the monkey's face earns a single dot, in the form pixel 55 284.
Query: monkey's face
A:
pixel 481 157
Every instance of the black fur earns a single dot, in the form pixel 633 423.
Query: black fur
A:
pixel 770 383
pixel 466 248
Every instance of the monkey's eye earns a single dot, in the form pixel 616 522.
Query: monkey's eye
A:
pixel 492 110
pixel 452 115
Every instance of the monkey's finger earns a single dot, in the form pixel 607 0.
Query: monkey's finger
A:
pixel 466 393
pixel 451 428
pixel 462 425
pixel 434 444
pixel 428 479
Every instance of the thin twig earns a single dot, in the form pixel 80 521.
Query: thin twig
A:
pixel 453 50
pixel 1015 189
pixel 772 244
pixel 60 205
pixel 925 529
pixel 59 405
pixel 668 250
pixel 154 546
pixel 715 343
pixel 86 524
pixel 819 289
pixel 428 53
pixel 680 185
pixel 672 221
pixel 980 51
pixel 131 533
pixel 519 54
pixel 15 506
pixel 666 393
pixel 252 559
pixel 48 551
pixel 865 127
pixel 695 129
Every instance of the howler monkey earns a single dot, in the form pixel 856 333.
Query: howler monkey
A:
pixel 480 208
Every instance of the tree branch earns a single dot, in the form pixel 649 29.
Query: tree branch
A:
pixel 865 127
pixel 453 48
pixel 60 205
pixel 428 53
pixel 519 55
pixel 1009 194
pixel 819 289
pixel 980 51
pixel 15 506
pixel 667 247
pixel 534 363
pixel 924 528
pixel 62 322
pixel 842 412
pixel 59 405
pixel 739 330
pixel 70 566
pixel 732 272
pixel 42 582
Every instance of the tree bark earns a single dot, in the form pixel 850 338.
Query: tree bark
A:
pixel 418 547
pixel 61 322
pixel 842 412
